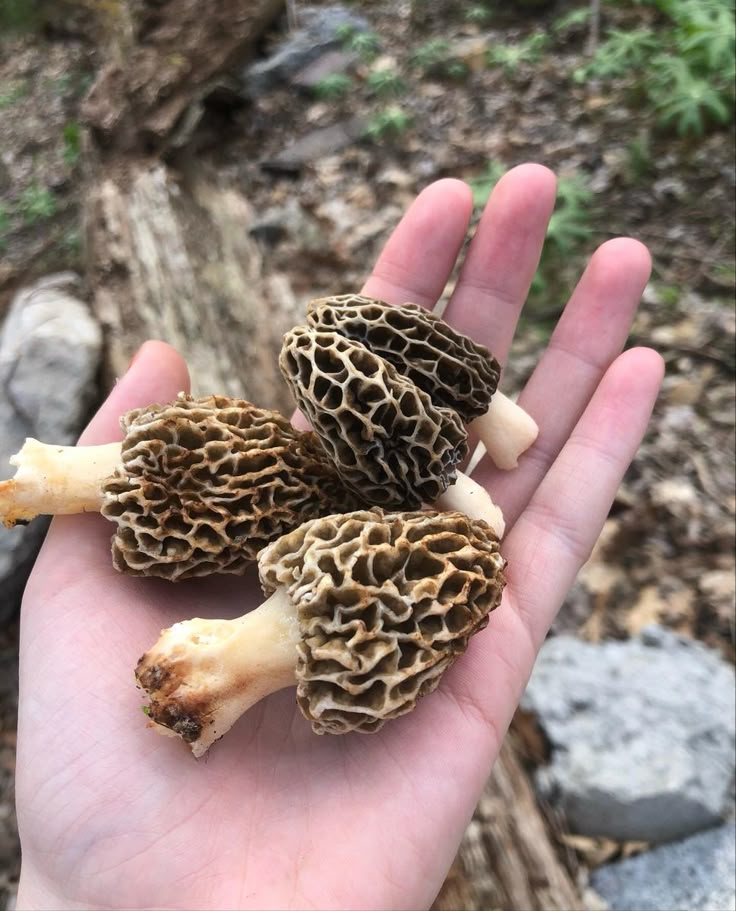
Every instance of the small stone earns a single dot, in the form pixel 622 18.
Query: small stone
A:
pixel 696 874
pixel 642 734
pixel 50 348
pixel 316 144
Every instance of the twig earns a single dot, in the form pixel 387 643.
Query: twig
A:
pixel 594 34
pixel 292 19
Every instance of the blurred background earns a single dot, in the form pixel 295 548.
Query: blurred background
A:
pixel 197 178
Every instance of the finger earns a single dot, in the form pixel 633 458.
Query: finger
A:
pixel 418 258
pixel 76 545
pixel 157 373
pixel 503 257
pixel 590 334
pixel 552 540
pixel 556 532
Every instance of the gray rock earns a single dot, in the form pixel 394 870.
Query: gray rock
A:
pixel 49 354
pixel 642 734
pixel 316 145
pixel 332 63
pixel 320 30
pixel 692 875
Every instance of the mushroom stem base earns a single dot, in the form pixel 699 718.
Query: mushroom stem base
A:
pixel 474 501
pixel 506 431
pixel 202 675
pixel 56 480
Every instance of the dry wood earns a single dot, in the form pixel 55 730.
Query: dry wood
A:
pixel 507 861
pixel 169 254
pixel 160 58
pixel 172 259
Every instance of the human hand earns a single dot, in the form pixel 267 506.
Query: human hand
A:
pixel 111 815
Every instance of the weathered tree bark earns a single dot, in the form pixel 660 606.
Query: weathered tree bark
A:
pixel 169 254
pixel 160 58
pixel 507 861
pixel 171 258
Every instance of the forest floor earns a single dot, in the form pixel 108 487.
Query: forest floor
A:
pixel 666 552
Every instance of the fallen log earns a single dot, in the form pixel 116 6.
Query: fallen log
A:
pixel 507 860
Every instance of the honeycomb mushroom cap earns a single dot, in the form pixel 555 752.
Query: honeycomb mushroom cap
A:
pixel 386 438
pixel 385 602
pixel 206 483
pixel 454 370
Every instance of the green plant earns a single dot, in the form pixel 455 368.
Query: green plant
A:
pixel 13 91
pixel 72 138
pixel 477 14
pixel 572 21
pixel 18 15
pixel 36 204
pixel 482 185
pixel 4 226
pixel 386 82
pixel 512 56
pixel 639 159
pixel 431 54
pixel 683 99
pixel 333 87
pixel 570 224
pixel 366 44
pixel 621 53
pixel 390 122
pixel 685 71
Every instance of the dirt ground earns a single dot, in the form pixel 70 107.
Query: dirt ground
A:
pixel 666 553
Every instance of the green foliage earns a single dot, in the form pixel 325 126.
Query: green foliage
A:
pixel 478 14
pixel 18 16
pixel 639 159
pixel 483 185
pixel 385 83
pixel 685 70
pixel 36 204
pixel 333 87
pixel 72 137
pixel 435 57
pixel 686 101
pixel 13 91
pixel 4 226
pixel 392 121
pixel 569 225
pixel 572 21
pixel 365 44
pixel 621 53
pixel 431 54
pixel 513 56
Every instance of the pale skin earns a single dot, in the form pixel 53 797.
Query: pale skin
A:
pixel 113 816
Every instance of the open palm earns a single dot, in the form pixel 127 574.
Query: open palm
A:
pixel 112 815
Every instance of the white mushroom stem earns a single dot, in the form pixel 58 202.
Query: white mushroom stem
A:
pixel 506 430
pixel 56 480
pixel 469 497
pixel 202 675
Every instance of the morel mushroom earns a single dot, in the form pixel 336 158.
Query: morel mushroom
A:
pixel 454 370
pixel 197 486
pixel 368 610
pixel 388 441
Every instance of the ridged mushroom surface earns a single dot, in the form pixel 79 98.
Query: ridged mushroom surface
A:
pixel 454 370
pixel 386 438
pixel 206 483
pixel 385 603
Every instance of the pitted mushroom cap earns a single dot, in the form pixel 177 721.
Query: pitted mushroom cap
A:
pixel 385 603
pixel 386 438
pixel 206 483
pixel 454 370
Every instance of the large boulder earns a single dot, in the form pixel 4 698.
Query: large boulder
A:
pixel 641 734
pixel 49 355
